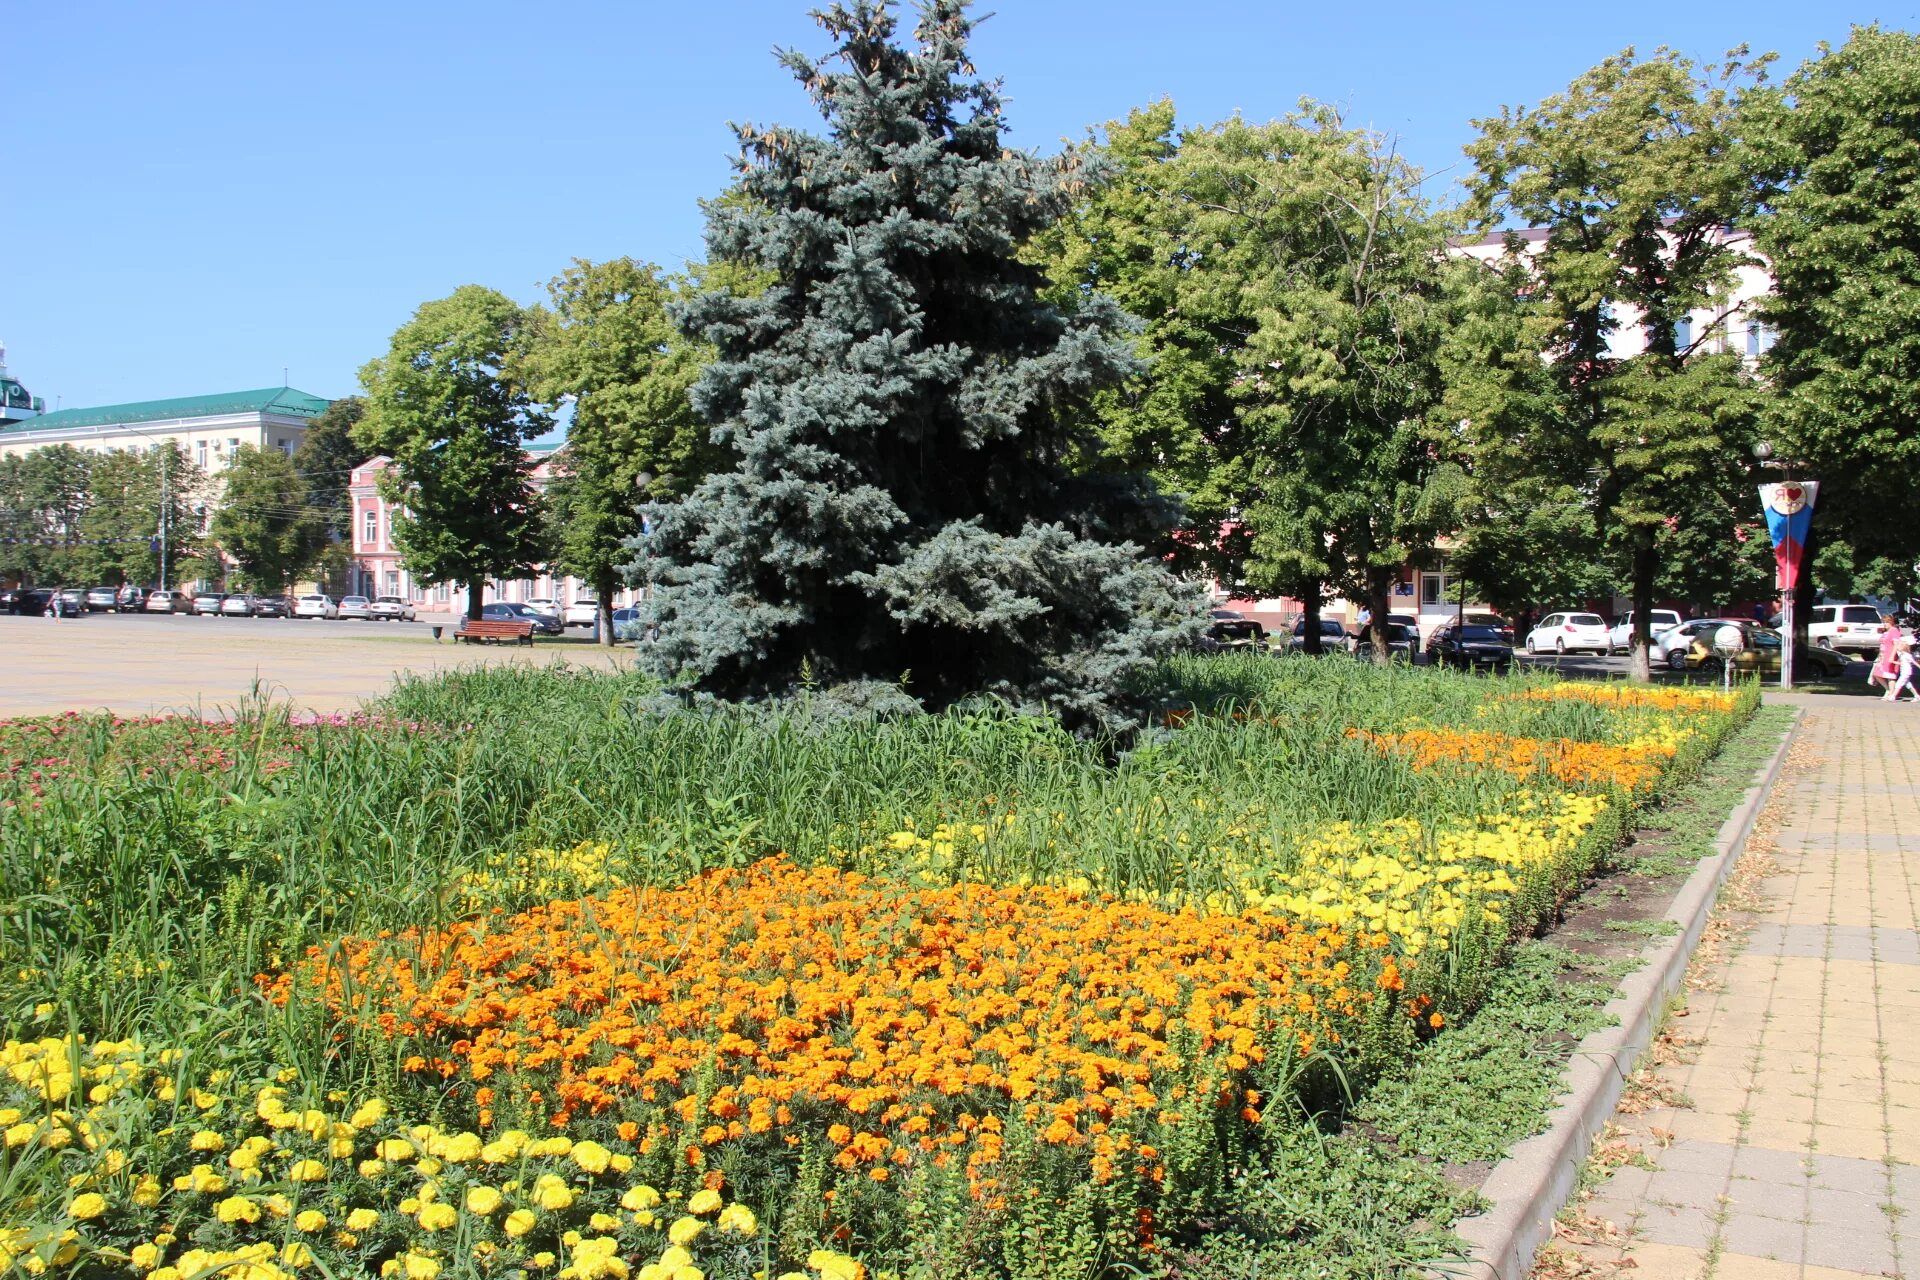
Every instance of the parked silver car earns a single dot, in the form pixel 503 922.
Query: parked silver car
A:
pixel 355 607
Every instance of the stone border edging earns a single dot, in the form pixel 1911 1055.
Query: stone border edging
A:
pixel 1528 1187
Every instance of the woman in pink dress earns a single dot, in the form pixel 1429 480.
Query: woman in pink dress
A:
pixel 1885 665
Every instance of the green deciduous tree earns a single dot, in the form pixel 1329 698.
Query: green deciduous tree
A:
pixel 1635 177
pixel 913 498
pixel 264 521
pixel 1838 218
pixel 609 345
pixel 133 493
pixel 1289 277
pixel 445 405
pixel 327 455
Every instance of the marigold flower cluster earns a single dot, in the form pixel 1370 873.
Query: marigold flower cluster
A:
pixel 1417 882
pixel 1631 766
pixel 907 1024
pixel 251 1181
pixel 1614 694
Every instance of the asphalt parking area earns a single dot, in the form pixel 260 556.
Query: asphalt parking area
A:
pixel 139 663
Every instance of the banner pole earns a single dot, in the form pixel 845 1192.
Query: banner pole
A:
pixel 1786 653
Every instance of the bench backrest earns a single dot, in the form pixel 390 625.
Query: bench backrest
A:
pixel 496 627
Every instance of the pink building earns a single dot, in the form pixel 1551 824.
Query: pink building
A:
pixel 376 567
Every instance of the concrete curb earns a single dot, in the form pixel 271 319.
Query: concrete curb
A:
pixel 1528 1187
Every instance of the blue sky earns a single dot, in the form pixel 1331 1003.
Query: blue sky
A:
pixel 201 194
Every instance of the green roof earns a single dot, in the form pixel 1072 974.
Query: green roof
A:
pixel 281 400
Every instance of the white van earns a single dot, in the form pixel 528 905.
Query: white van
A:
pixel 1848 627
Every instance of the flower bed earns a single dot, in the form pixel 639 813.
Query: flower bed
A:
pixel 1038 1017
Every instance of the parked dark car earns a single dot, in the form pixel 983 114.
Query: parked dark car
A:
pixel 70 601
pixel 26 601
pixel 1402 641
pixel 272 607
pixel 1472 646
pixel 103 599
pixel 131 599
pixel 514 611
pixel 1230 630
pixel 1333 636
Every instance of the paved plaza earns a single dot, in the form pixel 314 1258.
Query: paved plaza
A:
pixel 1793 1149
pixel 136 663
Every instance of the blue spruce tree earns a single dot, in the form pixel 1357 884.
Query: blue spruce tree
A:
pixel 919 495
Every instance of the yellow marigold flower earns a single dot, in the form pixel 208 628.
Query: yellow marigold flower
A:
pixel 604 1222
pixel 237 1209
pixel 310 1220
pixel 544 1258
pixel 704 1201
pixel 418 1266
pixel 372 1168
pixel 294 1253
pixel 87 1206
pixel 144 1256
pixel 591 1156
pixel 370 1112
pixel 552 1194
pixel 307 1171
pixel 208 1140
pixel 640 1196
pixel 685 1231
pixel 164 1273
pixel 675 1257
pixel 688 1272
pixel 738 1219
pixel 482 1200
pixel 438 1216
pixel 834 1266
pixel 461 1148
pixel 518 1223
pixel 395 1149
pixel 362 1219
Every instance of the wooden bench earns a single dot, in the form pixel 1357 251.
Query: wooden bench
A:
pixel 473 631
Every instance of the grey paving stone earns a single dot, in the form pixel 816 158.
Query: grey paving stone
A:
pixel 1684 1188
pixel 1684 1228
pixel 1787 1201
pixel 1768 1165
pixel 1762 1237
pixel 1844 1210
pixel 1847 1251
pixel 1848 1173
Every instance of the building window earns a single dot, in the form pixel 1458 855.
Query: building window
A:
pixel 440 593
pixel 1683 333
pixel 393 582
pixel 371 528
pixel 233 445
pixel 200 453
pixel 285 446
pixel 1759 339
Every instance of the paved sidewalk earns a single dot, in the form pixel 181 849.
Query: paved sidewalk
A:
pixel 1799 1155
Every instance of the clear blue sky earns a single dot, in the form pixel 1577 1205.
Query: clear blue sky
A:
pixel 201 193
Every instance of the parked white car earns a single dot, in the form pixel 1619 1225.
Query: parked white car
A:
pixel 545 604
pixel 581 612
pixel 167 602
pixel 1671 645
pixel 315 606
pixel 390 609
pixel 1621 637
pixel 1850 628
pixel 1570 633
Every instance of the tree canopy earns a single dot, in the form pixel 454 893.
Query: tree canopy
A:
pixel 446 406
pixel 264 522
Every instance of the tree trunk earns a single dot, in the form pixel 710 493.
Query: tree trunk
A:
pixel 1641 666
pixel 603 587
pixel 476 587
pixel 1379 584
pixel 1310 619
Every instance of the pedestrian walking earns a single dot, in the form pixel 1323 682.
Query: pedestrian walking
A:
pixel 1905 666
pixel 1887 662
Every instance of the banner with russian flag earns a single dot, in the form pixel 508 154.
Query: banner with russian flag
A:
pixel 1789 509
